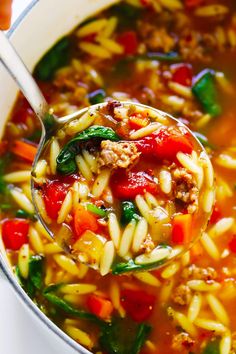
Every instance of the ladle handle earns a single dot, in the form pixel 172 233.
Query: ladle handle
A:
pixel 24 79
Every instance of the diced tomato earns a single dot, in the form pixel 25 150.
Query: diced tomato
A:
pixel 216 214
pixel 24 149
pixel 182 74
pixel 138 304
pixel 15 233
pixel 129 41
pixel 128 184
pixel 181 229
pixel 54 194
pixel 3 147
pixel 232 244
pixel 84 220
pixel 22 111
pixel 5 14
pixel 99 306
pixel 193 3
pixel 137 121
pixel 165 144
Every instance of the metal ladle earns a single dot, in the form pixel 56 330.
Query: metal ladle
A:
pixel 32 93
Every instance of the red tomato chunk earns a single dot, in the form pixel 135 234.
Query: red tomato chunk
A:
pixel 138 304
pixel 126 185
pixel 182 74
pixel 129 42
pixel 164 144
pixel 54 194
pixel 99 306
pixel 15 233
pixel 232 244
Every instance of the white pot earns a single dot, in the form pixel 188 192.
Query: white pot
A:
pixel 37 29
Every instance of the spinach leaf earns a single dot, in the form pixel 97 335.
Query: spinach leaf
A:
pixel 212 347
pixel 66 307
pixel 126 14
pixel 4 161
pixel 96 96
pixel 123 336
pixel 34 281
pixel 131 266
pixel 128 212
pixel 205 91
pixel 66 159
pixel 20 213
pixel 36 271
pixel 55 58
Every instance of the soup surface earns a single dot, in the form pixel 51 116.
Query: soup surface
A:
pixel 177 56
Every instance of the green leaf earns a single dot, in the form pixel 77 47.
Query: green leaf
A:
pixel 96 210
pixel 55 58
pixel 36 271
pixel 212 347
pixel 66 307
pixel 97 96
pixel 130 266
pixel 126 14
pixel 66 159
pixel 4 162
pixel 205 91
pixel 123 336
pixel 20 213
pixel 128 212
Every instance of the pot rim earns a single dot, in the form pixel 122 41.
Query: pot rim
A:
pixel 6 269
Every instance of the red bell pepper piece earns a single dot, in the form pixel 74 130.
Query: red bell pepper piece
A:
pixel 181 229
pixel 232 244
pixel 129 42
pixel 126 185
pixel 54 194
pixel 138 304
pixel 182 74
pixel 99 306
pixel 216 214
pixel 165 144
pixel 84 220
pixel 15 233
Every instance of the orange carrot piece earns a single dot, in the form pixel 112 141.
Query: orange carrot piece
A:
pixel 99 306
pixel 84 220
pixel 181 229
pixel 24 149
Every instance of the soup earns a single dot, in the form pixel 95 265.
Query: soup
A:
pixel 178 57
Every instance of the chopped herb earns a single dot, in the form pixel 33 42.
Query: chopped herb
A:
pixel 66 159
pixel 25 215
pixel 123 336
pixel 204 140
pixel 212 347
pixel 128 212
pixel 55 58
pixel 49 122
pixel 96 210
pixel 131 266
pixel 96 96
pixel 205 91
pixel 66 307
pixel 125 13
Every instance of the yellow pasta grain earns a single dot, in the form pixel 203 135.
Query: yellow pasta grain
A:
pixel 166 291
pixel 222 226
pixel 143 207
pixel 91 27
pixel 165 181
pixel 23 260
pixel 218 309
pixel 127 238
pixel 79 336
pixel 171 4
pixel 52 248
pixel 208 200
pixel 210 246
pixel 107 258
pixel 181 90
pixel 78 289
pixel 17 177
pixel 41 168
pixel 211 10
pixel 110 27
pixel 22 200
pixel 65 208
pixel 210 325
pixel 147 278
pixel 156 255
pixel 187 162
pixel 170 270
pixel 140 234
pixel 80 124
pixel 111 45
pixel 90 160
pixel 185 323
pixel 114 229
pixel 35 240
pixel 66 263
pixel 201 285
pixel 194 307
pixel 54 152
pixel 225 343
pixel 84 167
pixel 95 50
pixel 101 183
pixel 140 133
